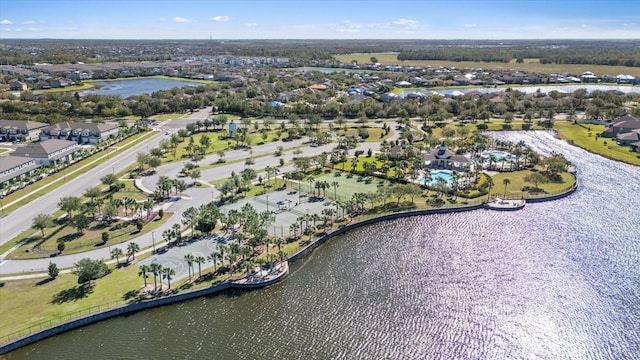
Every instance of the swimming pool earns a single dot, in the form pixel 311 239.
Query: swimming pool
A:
pixel 435 175
pixel 498 154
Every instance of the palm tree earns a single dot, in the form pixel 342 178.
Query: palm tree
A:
pixel 132 249
pixel 231 257
pixel 489 186
pixel 311 179
pixel 222 249
pixel 282 254
pixel 167 273
pixel 189 258
pixel 214 257
pixel 294 228
pixel 335 185
pixel 116 253
pixel 144 269
pixel 92 193
pixel 155 270
pixel 176 232
pixel 199 260
pixel 148 205
pixel 506 182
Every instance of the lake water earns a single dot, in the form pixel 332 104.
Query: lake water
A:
pixel 527 89
pixel 556 280
pixel 126 88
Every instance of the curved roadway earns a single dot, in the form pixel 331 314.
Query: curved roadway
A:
pixel 19 220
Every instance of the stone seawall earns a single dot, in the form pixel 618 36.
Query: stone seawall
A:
pixel 148 304
pixel 362 223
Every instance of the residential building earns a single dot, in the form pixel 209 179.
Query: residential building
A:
pixel 20 130
pixel 53 151
pixel 17 86
pixel 443 158
pixel 82 133
pixel 15 168
pixel 621 125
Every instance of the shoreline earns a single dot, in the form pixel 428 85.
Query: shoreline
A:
pixel 237 284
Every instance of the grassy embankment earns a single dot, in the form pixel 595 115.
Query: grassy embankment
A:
pixel 579 135
pixel 531 65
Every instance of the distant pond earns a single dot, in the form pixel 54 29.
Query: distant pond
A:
pixel 126 88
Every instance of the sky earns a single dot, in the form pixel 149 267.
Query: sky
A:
pixel 328 19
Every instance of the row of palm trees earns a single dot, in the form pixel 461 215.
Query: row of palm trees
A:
pixel 132 249
pixel 158 271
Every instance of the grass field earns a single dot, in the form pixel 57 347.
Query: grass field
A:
pixel 517 183
pixel 531 65
pixel 89 240
pixel 61 299
pixel 582 137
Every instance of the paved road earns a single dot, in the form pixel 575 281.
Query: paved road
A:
pixel 194 196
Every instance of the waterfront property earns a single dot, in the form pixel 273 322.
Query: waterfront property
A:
pixel 625 130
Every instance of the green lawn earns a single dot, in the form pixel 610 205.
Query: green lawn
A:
pixel 348 184
pixel 530 66
pixel 162 117
pixel 517 183
pixel 580 136
pixel 119 231
pixel 130 191
pixel 2 150
pixel 30 305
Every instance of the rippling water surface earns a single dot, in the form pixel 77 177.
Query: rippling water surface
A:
pixel 557 280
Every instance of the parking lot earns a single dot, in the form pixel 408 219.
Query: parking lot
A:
pixel 286 205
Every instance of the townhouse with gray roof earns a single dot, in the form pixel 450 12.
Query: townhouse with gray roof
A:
pixel 82 133
pixel 14 168
pixel 52 151
pixel 20 130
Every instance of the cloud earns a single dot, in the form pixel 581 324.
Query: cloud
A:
pixel 584 26
pixel 29 29
pixel 470 25
pixel 29 22
pixel 251 24
pixel 6 22
pixel 405 22
pixel 162 19
pixel 181 20
pixel 220 18
pixel 348 30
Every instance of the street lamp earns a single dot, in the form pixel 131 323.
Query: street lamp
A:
pixel 153 242
pixel 267 203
